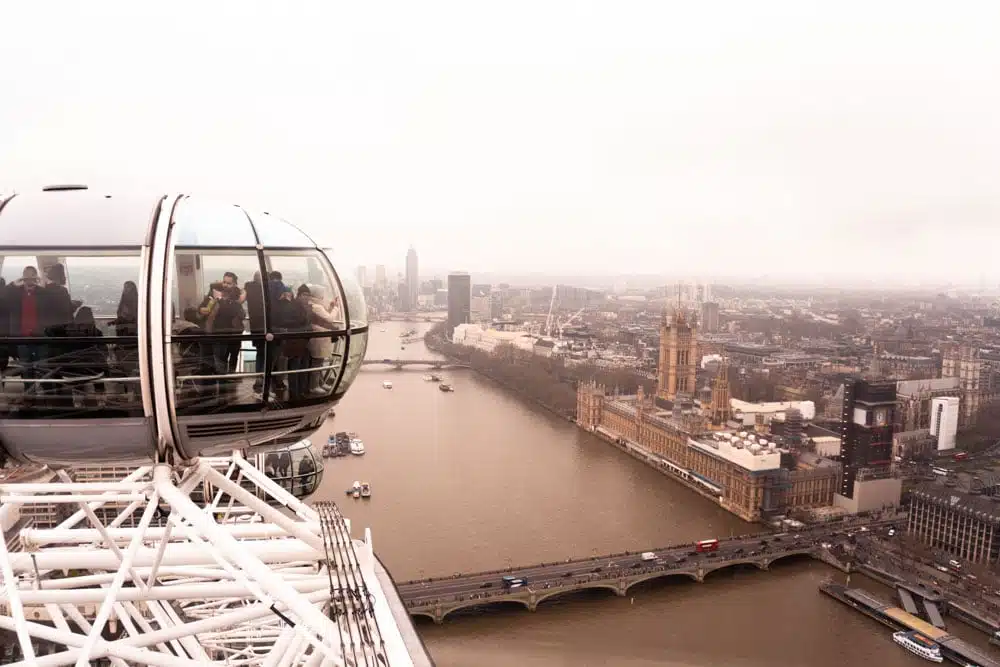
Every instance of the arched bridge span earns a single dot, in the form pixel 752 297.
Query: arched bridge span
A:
pixel 400 364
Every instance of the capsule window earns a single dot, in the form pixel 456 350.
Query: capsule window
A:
pixel 218 350
pixel 357 309
pixel 356 354
pixel 69 335
pixel 306 319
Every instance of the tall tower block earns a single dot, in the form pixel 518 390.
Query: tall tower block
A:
pixel 678 356
pixel 721 410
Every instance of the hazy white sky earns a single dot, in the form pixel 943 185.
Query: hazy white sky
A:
pixel 575 137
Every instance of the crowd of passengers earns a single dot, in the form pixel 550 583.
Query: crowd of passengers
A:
pixel 32 307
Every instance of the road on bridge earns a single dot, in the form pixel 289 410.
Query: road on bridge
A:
pixel 556 574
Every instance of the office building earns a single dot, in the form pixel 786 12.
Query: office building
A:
pixel 381 280
pixel 412 278
pixel 963 524
pixel 710 317
pixel 459 300
pixel 944 421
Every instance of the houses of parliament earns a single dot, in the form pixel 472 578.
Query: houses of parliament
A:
pixel 697 441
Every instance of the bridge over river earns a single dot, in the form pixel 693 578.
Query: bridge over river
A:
pixel 440 596
pixel 400 364
pixel 409 317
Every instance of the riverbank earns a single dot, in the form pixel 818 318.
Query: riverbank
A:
pixel 547 382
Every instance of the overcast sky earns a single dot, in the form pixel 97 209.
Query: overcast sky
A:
pixel 697 138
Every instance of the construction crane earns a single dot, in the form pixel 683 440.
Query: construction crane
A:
pixel 552 305
pixel 568 321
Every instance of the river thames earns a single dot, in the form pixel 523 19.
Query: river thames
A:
pixel 477 479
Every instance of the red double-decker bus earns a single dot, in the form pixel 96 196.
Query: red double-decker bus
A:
pixel 706 545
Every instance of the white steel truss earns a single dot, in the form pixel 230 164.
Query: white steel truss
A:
pixel 236 581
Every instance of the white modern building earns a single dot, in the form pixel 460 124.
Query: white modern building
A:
pixel 487 340
pixel 750 452
pixel 747 412
pixel 944 421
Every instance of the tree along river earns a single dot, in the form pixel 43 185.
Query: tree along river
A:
pixel 478 479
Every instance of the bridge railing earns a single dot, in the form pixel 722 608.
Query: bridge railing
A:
pixel 812 531
pixel 588 559
pixel 610 575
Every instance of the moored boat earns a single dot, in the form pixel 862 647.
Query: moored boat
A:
pixel 366 490
pixel 919 644
pixel 357 447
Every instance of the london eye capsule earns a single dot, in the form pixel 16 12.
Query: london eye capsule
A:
pixel 165 328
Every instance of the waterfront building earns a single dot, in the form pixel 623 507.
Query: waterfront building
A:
pixel 745 473
pixel 963 524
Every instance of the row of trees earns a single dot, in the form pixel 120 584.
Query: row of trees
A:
pixel 548 381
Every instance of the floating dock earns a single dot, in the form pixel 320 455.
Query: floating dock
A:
pixel 952 648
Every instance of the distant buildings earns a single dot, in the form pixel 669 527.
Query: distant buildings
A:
pixel 978 373
pixel 459 300
pixel 412 279
pixel 710 317
pixel 362 276
pixel 381 280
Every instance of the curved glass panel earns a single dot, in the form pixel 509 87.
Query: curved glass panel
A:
pixel 69 336
pixel 357 309
pixel 212 376
pixel 306 368
pixel 303 295
pixel 217 331
pixel 359 345
pixel 297 469
pixel 220 292
pixel 200 223
pixel 274 232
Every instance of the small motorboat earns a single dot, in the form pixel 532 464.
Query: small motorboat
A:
pixel 387 385
pixel 356 489
pixel 435 378
pixel 446 387
pixel 357 447
pixel 366 490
